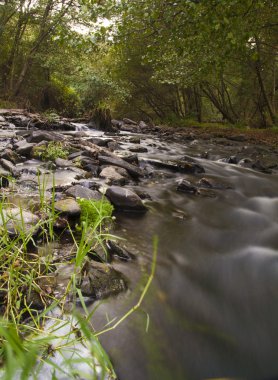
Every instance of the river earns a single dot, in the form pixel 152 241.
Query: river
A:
pixel 212 310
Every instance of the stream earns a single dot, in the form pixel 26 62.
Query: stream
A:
pixel 212 309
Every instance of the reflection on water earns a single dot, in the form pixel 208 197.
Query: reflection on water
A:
pixel 213 306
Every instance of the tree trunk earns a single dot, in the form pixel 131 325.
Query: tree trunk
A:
pixel 258 67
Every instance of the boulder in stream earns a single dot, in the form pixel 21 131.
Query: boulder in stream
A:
pixel 114 175
pixel 68 207
pixel 186 187
pixel 78 191
pixel 133 170
pixel 125 199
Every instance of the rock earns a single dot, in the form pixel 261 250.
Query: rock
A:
pixel 130 128
pixel 101 280
pixel 68 207
pixel 4 175
pixel 239 138
pixel 179 166
pixel 8 165
pixel 2 119
pixel 118 251
pixel 114 175
pixel 24 148
pixel 113 145
pixel 115 161
pixel 127 156
pixel 38 136
pixel 129 121
pixel 10 155
pixel 125 199
pixel 18 221
pixel 186 187
pixel 61 163
pixel 78 191
pixel 143 125
pixel 135 140
pixel 210 183
pixel 138 149
pixel 100 141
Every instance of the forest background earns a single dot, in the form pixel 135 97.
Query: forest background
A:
pixel 178 62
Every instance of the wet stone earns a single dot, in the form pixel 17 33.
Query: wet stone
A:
pixel 186 187
pixel 138 149
pixel 60 162
pixel 68 207
pixel 18 221
pixel 114 175
pixel 78 191
pixel 24 148
pixel 114 161
pixel 125 199
pixel 101 280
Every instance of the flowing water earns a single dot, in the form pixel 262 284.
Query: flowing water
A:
pixel 212 310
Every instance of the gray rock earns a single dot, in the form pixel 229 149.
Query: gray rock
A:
pixel 24 148
pixel 17 221
pixel 79 191
pixel 101 280
pixel 61 163
pixel 114 161
pixel 2 119
pixel 114 175
pixel 129 121
pixel 135 140
pixel 99 141
pixel 178 166
pixel 142 125
pixel 4 174
pixel 138 149
pixel 38 136
pixel 125 199
pixel 8 165
pixel 68 207
pixel 186 187
pixel 10 155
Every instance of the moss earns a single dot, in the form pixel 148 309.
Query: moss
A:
pixel 93 211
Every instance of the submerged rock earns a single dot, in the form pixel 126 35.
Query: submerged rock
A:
pixel 178 166
pixel 186 187
pixel 101 280
pixel 125 199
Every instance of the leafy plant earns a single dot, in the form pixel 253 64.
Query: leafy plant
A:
pixel 53 150
pixel 93 210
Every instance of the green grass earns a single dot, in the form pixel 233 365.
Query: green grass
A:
pixel 30 337
pixel 51 151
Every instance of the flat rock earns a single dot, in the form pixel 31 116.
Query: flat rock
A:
pixel 24 148
pixel 101 280
pixel 68 207
pixel 129 121
pixel 138 149
pixel 114 175
pixel 18 221
pixel 78 191
pixel 10 155
pixel 115 161
pixel 186 187
pixel 178 166
pixel 8 165
pixel 61 163
pixel 38 136
pixel 125 199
